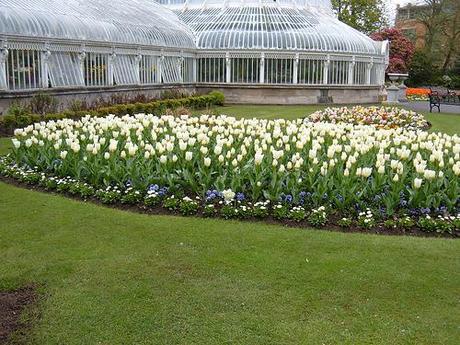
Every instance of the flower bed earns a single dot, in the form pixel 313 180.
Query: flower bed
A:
pixel 288 170
pixel 417 94
pixel 380 117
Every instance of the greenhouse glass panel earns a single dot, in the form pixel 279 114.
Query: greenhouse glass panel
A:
pixel 211 70
pixel 149 69
pixel 245 70
pixel 170 72
pixel 126 70
pixel 24 69
pixel 338 73
pixel 360 73
pixel 187 70
pixel 96 69
pixel 279 71
pixel 65 70
pixel 310 72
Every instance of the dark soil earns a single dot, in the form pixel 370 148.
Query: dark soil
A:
pixel 12 305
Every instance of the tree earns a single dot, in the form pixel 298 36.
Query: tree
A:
pixel 441 19
pixel 364 15
pixel 401 49
pixel 422 72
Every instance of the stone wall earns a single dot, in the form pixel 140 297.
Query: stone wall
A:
pixel 65 97
pixel 268 94
pixel 234 93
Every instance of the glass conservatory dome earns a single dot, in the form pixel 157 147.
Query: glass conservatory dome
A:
pixel 114 21
pixel 304 25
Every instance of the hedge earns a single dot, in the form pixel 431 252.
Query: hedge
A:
pixel 10 122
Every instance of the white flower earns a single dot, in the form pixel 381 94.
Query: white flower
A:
pixel 207 161
pixel 417 183
pixel 16 143
pixel 163 159
pixel 106 155
pixel 366 172
pixel 228 195
pixel 63 154
pixel 258 158
pixel 429 174
pixel 188 156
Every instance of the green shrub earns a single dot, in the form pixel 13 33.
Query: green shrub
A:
pixel 20 116
pixel 218 96
pixel 43 104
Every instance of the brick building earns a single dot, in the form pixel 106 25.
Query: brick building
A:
pixel 407 22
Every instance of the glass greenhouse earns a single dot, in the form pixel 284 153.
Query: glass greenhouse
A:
pixel 84 43
pixel 99 43
pixel 279 42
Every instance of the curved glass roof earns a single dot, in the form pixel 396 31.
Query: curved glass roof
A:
pixel 303 25
pixel 141 22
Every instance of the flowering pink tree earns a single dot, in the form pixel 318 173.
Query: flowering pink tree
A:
pixel 401 49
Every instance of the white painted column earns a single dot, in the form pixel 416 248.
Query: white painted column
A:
pixel 326 70
pixel 179 62
pixel 262 68
pixel 295 70
pixel 368 71
pixel 194 70
pixel 110 68
pixel 81 59
pixel 228 68
pixel 351 71
pixel 44 67
pixel 137 67
pixel 160 62
pixel 3 62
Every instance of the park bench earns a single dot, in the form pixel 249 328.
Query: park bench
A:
pixel 442 95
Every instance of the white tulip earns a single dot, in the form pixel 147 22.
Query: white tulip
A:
pixel 17 143
pixel 63 154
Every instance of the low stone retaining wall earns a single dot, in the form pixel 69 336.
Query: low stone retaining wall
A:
pixel 289 94
pixel 65 97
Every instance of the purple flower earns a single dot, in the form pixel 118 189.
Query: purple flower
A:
pixel 163 191
pixel 240 196
pixel 288 198
pixel 154 188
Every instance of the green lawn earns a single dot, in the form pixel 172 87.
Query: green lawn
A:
pixel 113 277
pixel 448 123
